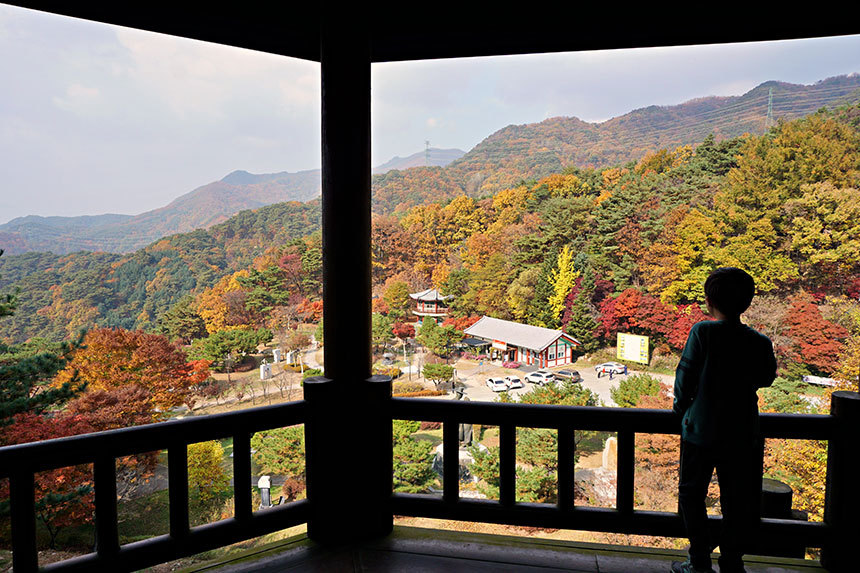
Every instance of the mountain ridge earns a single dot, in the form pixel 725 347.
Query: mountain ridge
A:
pixel 507 156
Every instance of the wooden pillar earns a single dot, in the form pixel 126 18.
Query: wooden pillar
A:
pixel 348 431
pixel 842 499
pixel 345 71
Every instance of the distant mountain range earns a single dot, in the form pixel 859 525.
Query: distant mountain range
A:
pixel 432 157
pixel 199 209
pixel 508 156
pixel 530 151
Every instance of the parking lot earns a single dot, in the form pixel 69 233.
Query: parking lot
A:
pixel 474 377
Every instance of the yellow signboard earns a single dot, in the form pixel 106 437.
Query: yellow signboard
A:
pixel 633 347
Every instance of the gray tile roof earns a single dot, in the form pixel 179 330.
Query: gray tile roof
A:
pixel 515 333
pixel 430 294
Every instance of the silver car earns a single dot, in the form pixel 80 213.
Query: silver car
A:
pixel 610 368
pixel 541 377
pixel 497 384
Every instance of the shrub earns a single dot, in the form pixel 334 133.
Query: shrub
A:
pixel 632 388
pixel 312 372
pixel 438 373
pixel 392 371
pixel 421 394
pixel 472 356
pixel 430 425
pixel 405 386
pixel 510 364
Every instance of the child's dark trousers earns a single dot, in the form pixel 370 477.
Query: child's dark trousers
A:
pixel 739 501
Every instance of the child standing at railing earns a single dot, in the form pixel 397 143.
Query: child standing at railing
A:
pixel 723 364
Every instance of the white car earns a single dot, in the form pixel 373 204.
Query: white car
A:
pixel 497 384
pixel 541 377
pixel 513 382
pixel 613 367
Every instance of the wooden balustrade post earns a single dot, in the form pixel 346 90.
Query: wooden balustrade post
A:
pixel 22 499
pixel 842 500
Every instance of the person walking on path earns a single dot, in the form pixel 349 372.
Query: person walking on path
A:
pixel 723 364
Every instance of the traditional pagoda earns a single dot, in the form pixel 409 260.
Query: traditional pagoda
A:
pixel 430 303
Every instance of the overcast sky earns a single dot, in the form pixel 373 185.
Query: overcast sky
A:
pixel 100 119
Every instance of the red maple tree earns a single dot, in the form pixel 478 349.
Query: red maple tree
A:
pixel 815 341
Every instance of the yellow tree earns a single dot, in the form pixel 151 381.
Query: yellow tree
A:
pixel 757 252
pixel 461 218
pixel 693 240
pixel 824 229
pixel 561 185
pixel 561 279
pixel 212 304
pixel 849 365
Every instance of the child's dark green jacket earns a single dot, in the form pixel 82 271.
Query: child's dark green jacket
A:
pixel 722 366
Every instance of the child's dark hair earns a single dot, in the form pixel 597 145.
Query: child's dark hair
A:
pixel 730 290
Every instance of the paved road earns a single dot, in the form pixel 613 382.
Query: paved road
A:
pixel 475 376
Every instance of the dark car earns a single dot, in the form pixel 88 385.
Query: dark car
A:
pixel 571 375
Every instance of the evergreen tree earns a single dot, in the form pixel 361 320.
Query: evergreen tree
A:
pixel 539 307
pixel 7 301
pixel 582 325
pixel 182 322
pixel 27 370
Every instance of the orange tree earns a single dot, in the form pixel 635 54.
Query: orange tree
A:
pixel 115 358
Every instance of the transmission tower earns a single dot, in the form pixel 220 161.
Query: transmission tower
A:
pixel 768 121
pixel 427 152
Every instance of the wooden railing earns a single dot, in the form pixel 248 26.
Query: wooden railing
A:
pixel 21 462
pixel 329 505
pixel 841 429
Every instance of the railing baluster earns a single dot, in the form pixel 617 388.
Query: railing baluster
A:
pixel 451 461
pixel 507 464
pixel 104 477
pixel 624 487
pixel 22 499
pixel 566 467
pixel 242 475
pixel 177 475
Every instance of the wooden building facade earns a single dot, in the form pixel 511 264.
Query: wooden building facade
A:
pixel 524 343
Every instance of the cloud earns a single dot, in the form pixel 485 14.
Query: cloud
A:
pixel 79 99
pixel 209 82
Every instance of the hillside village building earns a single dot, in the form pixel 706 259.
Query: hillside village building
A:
pixel 532 345
pixel 430 303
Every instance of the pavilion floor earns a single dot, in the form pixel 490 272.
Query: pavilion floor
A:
pixel 428 550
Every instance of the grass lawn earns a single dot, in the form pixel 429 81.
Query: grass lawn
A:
pixel 145 517
pixel 432 436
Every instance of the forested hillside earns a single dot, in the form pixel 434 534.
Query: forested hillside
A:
pixel 522 152
pixel 592 251
pixel 60 294
pixel 628 248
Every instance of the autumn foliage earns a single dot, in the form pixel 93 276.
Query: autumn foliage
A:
pixel 114 359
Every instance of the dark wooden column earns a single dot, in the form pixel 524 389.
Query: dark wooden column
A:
pixel 348 432
pixel 345 66
pixel 842 498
